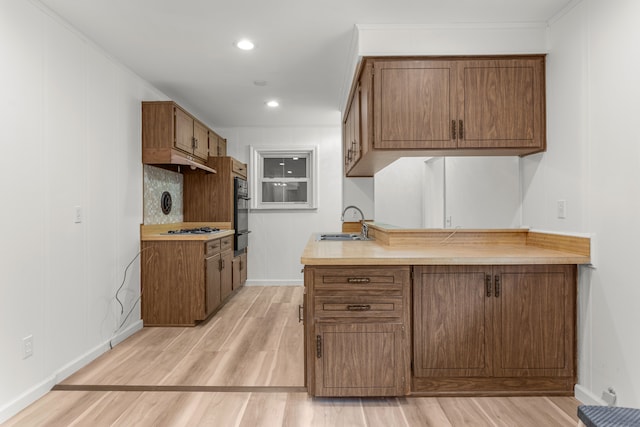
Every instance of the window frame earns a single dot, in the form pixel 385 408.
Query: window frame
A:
pixel 256 163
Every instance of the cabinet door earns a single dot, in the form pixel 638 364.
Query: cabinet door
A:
pixel 183 131
pixel 222 146
pixel 226 274
pixel 212 284
pixel 501 103
pixel 352 130
pixel 451 322
pixel 534 326
pixel 359 359
pixel 201 141
pixel 235 276
pixel 243 268
pixel 414 104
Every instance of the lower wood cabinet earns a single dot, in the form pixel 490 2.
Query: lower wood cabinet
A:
pixel 239 270
pixel 184 281
pixel 506 329
pixel 226 273
pixel 359 359
pixel 357 331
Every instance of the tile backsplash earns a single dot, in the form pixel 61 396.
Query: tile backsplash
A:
pixel 157 181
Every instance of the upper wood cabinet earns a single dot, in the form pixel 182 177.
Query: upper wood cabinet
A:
pixel 414 104
pixel 443 106
pixel 167 127
pixel 351 132
pixel 501 104
pixel 217 145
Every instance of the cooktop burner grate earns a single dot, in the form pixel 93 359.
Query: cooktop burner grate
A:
pixel 199 230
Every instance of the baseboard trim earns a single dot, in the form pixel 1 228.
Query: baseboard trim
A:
pixel 97 351
pixel 49 383
pixel 182 388
pixel 274 283
pixel 586 397
pixel 26 399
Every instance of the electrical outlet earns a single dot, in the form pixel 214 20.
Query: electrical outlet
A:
pixel 609 396
pixel 27 346
pixel 562 209
pixel 77 211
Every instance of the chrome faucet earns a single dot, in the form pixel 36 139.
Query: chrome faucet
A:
pixel 365 227
pixel 351 207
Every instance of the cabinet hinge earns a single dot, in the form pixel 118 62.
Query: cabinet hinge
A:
pixel 318 346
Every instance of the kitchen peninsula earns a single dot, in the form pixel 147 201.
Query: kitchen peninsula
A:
pixel 442 312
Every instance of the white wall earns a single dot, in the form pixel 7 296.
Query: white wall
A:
pixel 482 192
pixel 593 162
pixel 278 238
pixel 359 192
pixel 70 120
pixel 449 192
pixel 398 193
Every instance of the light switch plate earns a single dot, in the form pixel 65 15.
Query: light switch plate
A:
pixel 562 209
pixel 77 212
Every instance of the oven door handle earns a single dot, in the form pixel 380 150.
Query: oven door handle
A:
pixel 244 198
pixel 240 233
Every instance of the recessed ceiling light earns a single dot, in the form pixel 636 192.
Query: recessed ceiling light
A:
pixel 245 44
pixel 273 103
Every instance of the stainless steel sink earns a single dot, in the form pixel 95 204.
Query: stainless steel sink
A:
pixel 341 237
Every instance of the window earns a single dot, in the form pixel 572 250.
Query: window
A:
pixel 284 178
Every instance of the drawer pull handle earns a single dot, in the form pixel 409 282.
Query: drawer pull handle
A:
pixel 300 315
pixel 359 307
pixel 358 280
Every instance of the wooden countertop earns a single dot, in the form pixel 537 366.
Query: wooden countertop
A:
pixel 393 246
pixel 156 232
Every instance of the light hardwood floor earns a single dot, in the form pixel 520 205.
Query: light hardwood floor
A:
pixel 244 367
pixel 254 340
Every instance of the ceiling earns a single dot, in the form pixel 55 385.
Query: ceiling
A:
pixel 303 51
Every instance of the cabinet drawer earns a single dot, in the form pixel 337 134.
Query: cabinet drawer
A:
pixel 358 307
pixel 366 280
pixel 226 243
pixel 239 168
pixel 212 247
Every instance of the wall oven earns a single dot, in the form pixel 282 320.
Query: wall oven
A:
pixel 240 214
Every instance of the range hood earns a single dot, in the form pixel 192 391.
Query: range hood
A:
pixel 169 156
